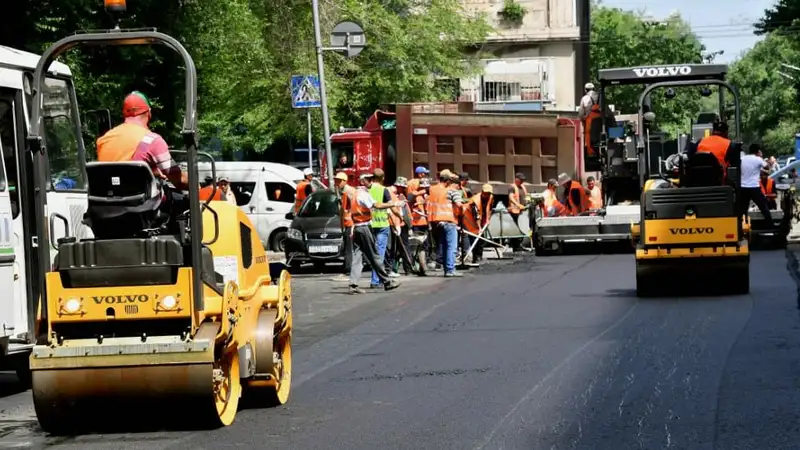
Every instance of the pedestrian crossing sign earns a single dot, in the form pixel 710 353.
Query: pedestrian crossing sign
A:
pixel 305 91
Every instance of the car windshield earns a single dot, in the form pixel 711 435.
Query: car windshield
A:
pixel 320 204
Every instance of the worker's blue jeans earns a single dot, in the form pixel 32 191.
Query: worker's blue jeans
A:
pixel 447 245
pixel 382 241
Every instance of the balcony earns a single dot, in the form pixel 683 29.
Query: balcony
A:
pixel 524 80
pixel 544 20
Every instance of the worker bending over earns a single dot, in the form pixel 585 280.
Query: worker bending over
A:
pixel 133 141
pixel 304 189
pixel 442 200
pixel 574 198
pixel 477 214
pixel 768 188
pixel 356 211
pixel 752 168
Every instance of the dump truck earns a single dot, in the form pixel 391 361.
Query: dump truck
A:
pixel 490 147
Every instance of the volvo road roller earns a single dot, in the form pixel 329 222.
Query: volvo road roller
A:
pixel 692 236
pixel 170 312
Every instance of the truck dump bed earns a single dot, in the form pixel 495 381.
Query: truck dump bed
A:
pixel 490 147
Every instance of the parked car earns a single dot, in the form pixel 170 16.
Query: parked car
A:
pixel 315 233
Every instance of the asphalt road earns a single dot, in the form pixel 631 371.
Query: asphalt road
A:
pixel 536 354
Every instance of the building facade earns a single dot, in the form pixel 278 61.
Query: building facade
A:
pixel 538 63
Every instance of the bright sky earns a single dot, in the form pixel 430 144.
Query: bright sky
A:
pixel 720 24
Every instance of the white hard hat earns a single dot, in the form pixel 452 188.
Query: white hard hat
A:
pixel 588 86
pixel 308 172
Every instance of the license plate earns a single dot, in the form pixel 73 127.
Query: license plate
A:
pixel 323 249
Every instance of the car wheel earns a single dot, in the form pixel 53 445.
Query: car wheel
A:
pixel 277 244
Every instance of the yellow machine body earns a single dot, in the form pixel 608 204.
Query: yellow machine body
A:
pixel 200 362
pixel 690 235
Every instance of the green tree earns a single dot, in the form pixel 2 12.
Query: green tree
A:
pixel 625 39
pixel 769 100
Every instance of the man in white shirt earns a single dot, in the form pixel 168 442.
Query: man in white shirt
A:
pixel 752 166
pixel 590 98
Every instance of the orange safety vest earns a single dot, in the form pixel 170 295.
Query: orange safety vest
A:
pixel 559 207
pixel 393 219
pixel 205 193
pixel 587 129
pixel 121 142
pixel 512 207
pixel 300 195
pixel 439 206
pixel 348 197
pixel 572 208
pixel 471 223
pixel 358 213
pixel 418 215
pixel 595 198
pixel 769 188
pixel 717 146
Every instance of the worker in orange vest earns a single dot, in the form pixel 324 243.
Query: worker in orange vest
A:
pixel 401 224
pixel 717 144
pixel 356 212
pixel 478 213
pixel 304 189
pixel 340 181
pixel 768 188
pixel 595 194
pixel 133 141
pixel 442 201
pixel 550 194
pixel 575 199
pixel 419 216
pixel 414 184
pixel 517 202
pixel 207 188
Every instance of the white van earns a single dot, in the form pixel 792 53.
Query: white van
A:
pixel 265 192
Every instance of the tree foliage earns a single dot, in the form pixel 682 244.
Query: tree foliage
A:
pixel 625 39
pixel 246 51
pixel 770 112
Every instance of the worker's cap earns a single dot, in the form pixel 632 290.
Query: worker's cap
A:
pixel 401 182
pixel 378 173
pixel 445 174
pixel 563 178
pixel 365 176
pixel 341 176
pixel 464 176
pixel 454 176
pixel 520 176
pixel 135 104
pixel 552 182
pixel 223 180
pixel 421 170
pixel 588 86
pixel 307 171
pixel 720 126
pixel 487 188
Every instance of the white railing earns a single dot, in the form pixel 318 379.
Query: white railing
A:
pixel 511 80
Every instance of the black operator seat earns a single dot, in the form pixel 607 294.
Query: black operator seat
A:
pixel 702 169
pixel 125 200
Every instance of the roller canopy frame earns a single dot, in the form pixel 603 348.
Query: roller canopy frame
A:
pixel 657 74
pixel 116 37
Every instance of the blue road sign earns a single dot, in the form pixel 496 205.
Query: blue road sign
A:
pixel 305 91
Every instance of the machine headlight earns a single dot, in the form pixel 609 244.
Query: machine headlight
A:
pixel 169 302
pixel 295 234
pixel 72 305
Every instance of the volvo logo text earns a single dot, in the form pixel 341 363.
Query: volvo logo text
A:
pixel 701 230
pixel 121 299
pixel 668 71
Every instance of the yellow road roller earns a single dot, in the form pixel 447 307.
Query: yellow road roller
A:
pixel 692 237
pixel 171 313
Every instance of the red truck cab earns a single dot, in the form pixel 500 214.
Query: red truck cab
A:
pixel 360 151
